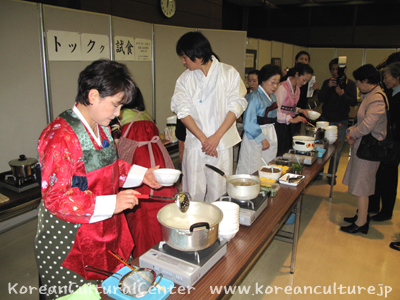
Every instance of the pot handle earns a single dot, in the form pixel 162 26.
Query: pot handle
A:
pixel 199 224
pixel 299 143
pixel 215 169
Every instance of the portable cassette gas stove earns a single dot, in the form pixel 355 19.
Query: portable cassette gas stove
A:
pixel 251 209
pixel 183 267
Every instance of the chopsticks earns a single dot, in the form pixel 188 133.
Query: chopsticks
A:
pixel 134 268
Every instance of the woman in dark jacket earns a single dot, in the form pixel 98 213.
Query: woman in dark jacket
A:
pixel 388 172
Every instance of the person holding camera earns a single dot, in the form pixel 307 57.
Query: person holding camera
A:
pixel 337 95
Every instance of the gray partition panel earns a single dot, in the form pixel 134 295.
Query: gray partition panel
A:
pixel 354 59
pixel 23 113
pixel 141 71
pixel 64 74
pixel 168 67
pixel 230 46
pixel 320 58
pixel 376 56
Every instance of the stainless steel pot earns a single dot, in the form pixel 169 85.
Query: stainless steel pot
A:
pixel 194 230
pixel 23 167
pixel 241 187
pixel 303 143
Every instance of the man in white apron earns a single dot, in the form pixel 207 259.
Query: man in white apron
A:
pixel 208 98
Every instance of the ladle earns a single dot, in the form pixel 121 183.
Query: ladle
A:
pixel 182 199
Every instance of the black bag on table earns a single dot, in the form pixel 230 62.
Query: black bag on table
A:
pixel 373 150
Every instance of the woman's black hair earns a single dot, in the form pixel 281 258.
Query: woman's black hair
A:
pixel 368 72
pixel 108 78
pixel 137 102
pixel 301 53
pixel 195 45
pixel 255 72
pixel 301 69
pixel 393 69
pixel 268 71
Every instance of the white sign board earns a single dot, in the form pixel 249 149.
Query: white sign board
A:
pixel 143 50
pixel 124 48
pixel 63 45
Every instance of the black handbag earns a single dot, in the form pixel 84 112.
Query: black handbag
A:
pixel 373 150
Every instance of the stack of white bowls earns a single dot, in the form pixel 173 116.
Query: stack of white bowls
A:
pixel 229 225
pixel 331 133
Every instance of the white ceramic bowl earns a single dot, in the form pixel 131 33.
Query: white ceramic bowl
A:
pixel 313 115
pixel 227 206
pixel 226 222
pixel 166 177
pixel 331 140
pixel 331 128
pixel 322 124
pixel 228 235
pixel 275 175
pixel 229 228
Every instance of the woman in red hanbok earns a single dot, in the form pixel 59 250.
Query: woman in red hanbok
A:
pixel 80 217
pixel 140 144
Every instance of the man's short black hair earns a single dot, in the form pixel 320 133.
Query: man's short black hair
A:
pixel 334 61
pixel 194 45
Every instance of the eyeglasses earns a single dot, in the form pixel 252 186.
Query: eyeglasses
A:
pixel 273 83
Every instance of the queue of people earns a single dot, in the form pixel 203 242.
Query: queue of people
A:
pixel 89 206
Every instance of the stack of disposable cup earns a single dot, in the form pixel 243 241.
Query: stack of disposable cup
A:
pixel 331 134
pixel 229 225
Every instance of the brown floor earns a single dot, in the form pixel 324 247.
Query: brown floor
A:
pixel 325 255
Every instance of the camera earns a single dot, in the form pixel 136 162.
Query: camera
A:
pixel 341 79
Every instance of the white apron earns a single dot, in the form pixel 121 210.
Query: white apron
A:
pixel 251 152
pixel 202 183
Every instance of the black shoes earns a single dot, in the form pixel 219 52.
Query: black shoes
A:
pixel 380 218
pixel 353 228
pixel 351 220
pixel 330 180
pixel 354 219
pixel 395 246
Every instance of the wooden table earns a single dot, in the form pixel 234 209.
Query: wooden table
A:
pixel 250 242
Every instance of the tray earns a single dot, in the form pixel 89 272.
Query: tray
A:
pixel 110 287
pixel 285 179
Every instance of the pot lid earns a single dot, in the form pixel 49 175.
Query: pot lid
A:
pixel 22 161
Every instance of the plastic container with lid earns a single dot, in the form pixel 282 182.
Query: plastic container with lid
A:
pixel 273 188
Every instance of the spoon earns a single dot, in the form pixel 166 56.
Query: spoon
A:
pixel 272 169
pixel 264 162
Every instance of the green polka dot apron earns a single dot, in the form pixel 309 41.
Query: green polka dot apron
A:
pixel 62 248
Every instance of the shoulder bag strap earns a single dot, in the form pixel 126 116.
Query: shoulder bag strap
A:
pixel 389 123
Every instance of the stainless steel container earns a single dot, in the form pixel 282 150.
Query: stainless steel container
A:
pixel 23 167
pixel 243 187
pixel 248 191
pixel 194 230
